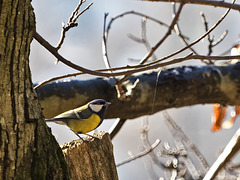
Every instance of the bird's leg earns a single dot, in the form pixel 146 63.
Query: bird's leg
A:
pixel 79 136
pixel 91 136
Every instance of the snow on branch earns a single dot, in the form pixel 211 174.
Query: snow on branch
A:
pixel 176 87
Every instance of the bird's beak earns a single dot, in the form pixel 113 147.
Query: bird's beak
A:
pixel 107 103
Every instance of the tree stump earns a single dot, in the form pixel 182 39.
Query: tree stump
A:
pixel 91 159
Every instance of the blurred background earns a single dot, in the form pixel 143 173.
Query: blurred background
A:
pixel 83 46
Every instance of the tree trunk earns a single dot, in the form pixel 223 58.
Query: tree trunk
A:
pixel 27 148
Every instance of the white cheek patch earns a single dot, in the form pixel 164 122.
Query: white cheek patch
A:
pixel 96 107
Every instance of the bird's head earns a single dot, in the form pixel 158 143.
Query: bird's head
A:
pixel 98 105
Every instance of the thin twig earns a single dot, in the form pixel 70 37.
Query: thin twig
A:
pixel 171 27
pixel 134 13
pixel 138 14
pixel 137 68
pixel 187 141
pixel 214 3
pixel 143 38
pixel 146 143
pixel 115 128
pixel 54 52
pixel 229 151
pixel 153 49
pixel 179 33
pixel 55 79
pixel 220 39
pixel 104 45
pixel 145 152
pixel 196 41
pixel 77 74
pixel 71 22
pixel 75 12
pixel 210 40
pixel 140 68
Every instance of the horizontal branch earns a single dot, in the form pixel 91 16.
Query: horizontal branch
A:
pixel 214 3
pixel 128 69
pixel 178 87
pixel 54 52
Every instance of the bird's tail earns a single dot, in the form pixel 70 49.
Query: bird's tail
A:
pixel 56 120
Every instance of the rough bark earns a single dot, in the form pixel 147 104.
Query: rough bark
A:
pixel 178 87
pixel 27 148
pixel 91 159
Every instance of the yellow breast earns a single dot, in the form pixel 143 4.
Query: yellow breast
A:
pixel 84 125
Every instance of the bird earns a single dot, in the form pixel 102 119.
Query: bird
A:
pixel 83 119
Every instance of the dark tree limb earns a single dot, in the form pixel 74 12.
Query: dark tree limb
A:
pixel 178 87
pixel 115 128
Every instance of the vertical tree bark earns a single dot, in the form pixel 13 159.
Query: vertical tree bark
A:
pixel 27 148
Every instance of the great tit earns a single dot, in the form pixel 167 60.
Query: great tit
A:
pixel 83 119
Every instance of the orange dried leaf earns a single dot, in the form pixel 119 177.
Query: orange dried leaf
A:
pixel 219 112
pixel 229 123
pixel 237 110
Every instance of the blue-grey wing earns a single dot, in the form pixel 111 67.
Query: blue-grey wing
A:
pixel 78 113
pixel 83 114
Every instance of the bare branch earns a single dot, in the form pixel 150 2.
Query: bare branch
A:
pixel 135 69
pixel 55 79
pixel 171 27
pixel 220 39
pixel 72 22
pixel 153 49
pixel 180 134
pixel 146 143
pixel 104 45
pixel 230 150
pixel 77 74
pixel 196 41
pixel 179 33
pixel 79 14
pixel 212 42
pixel 134 13
pixel 210 39
pixel 116 127
pixel 75 12
pixel 145 152
pixel 214 3
pixel 54 51
pixel 138 68
pixel 143 38
pixel 194 84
